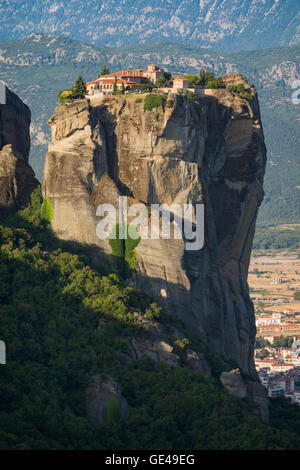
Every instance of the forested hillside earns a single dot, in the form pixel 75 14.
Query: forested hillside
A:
pixel 65 321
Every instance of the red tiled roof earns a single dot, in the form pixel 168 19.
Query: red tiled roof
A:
pixel 126 73
pixel 91 83
pixel 112 80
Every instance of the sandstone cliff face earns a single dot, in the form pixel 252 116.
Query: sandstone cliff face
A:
pixel 211 152
pixel 17 179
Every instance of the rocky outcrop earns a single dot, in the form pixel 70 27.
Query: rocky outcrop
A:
pixel 240 388
pixel 208 152
pixel 100 397
pixel 17 179
pixel 167 344
pixel 234 384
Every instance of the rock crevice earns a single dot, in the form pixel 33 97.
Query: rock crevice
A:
pixel 209 152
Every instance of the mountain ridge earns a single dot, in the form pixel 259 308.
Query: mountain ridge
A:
pixel 225 24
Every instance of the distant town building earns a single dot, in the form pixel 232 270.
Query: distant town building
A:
pixel 296 344
pixel 289 311
pixel 275 391
pixel 273 365
pixel 274 319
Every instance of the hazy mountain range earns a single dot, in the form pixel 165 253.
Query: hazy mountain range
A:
pixel 222 24
pixel 38 67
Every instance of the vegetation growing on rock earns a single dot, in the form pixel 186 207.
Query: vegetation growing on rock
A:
pixel 52 303
pixel 123 242
pixel 152 101
pixel 76 92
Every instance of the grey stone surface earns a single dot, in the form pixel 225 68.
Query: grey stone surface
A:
pixel 210 152
pixel 17 179
pixel 234 383
pixel 99 396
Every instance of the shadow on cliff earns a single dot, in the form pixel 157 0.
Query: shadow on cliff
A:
pixel 108 121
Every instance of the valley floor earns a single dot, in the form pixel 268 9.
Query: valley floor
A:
pixel 274 282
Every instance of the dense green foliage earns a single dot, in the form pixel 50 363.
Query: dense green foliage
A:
pixel 272 237
pixel 205 78
pixel 46 210
pixel 261 342
pixel 76 92
pixel 213 83
pixel 283 342
pixel 123 242
pixel 105 71
pixel 237 88
pixel 113 411
pixel 152 101
pixel 52 299
pixel 115 87
pixel 79 89
pixel 262 354
pixel 147 86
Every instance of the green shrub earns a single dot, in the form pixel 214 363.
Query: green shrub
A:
pixel 239 88
pixel 180 343
pixel 191 96
pixel 76 92
pixel 65 96
pixel 161 82
pixel 147 86
pixel 79 88
pixel 152 101
pixel 246 95
pixel 170 103
pixel 205 77
pixel 215 83
pixel 46 210
pixel 138 100
pixel 36 201
pixel 124 249
pixel 153 312
pixel 113 411
pixel 104 71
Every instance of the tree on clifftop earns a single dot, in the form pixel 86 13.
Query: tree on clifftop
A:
pixel 79 88
pixel 104 71
pixel 115 88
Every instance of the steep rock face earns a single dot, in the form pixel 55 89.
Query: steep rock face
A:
pixel 210 153
pixel 104 389
pixel 17 179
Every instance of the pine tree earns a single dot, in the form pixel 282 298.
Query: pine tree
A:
pixel 115 89
pixel 104 71
pixel 79 88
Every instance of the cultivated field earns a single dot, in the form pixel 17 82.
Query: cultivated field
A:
pixel 273 279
